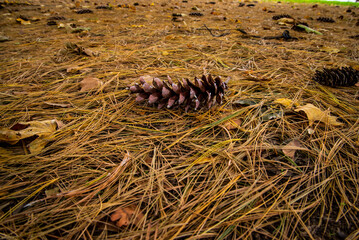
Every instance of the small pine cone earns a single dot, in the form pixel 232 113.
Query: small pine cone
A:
pixel 196 14
pixel 325 19
pixel 104 7
pixel 56 18
pixel 276 17
pixel 83 11
pixel 203 92
pixel 344 77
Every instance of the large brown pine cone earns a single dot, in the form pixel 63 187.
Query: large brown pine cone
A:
pixel 344 77
pixel 203 92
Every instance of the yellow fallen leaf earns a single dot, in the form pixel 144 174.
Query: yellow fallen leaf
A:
pixel 330 50
pixel 315 114
pixel 285 21
pixel 90 83
pixel 38 144
pixel 22 21
pixel 42 129
pixel 285 102
pixel 165 53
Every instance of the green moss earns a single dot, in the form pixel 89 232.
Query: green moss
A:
pixel 318 1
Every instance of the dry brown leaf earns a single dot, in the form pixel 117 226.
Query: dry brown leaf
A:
pixel 315 114
pixel 127 215
pixel 232 124
pixel 290 149
pixel 43 129
pixel 90 83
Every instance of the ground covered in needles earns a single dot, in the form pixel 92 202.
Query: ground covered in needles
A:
pixel 81 159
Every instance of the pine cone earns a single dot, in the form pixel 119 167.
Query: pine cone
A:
pixel 104 7
pixel 203 92
pixel 56 18
pixel 344 77
pixel 276 17
pixel 83 11
pixel 196 14
pixel 325 19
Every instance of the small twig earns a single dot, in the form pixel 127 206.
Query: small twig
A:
pixel 214 35
pixel 241 30
pixel 227 29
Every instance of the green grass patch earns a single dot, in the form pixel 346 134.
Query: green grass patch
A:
pixel 319 2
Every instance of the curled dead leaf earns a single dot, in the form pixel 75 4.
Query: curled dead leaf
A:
pixel 90 83
pixel 290 149
pixel 315 114
pixel 125 216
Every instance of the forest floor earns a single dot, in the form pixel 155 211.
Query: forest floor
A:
pixel 81 159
